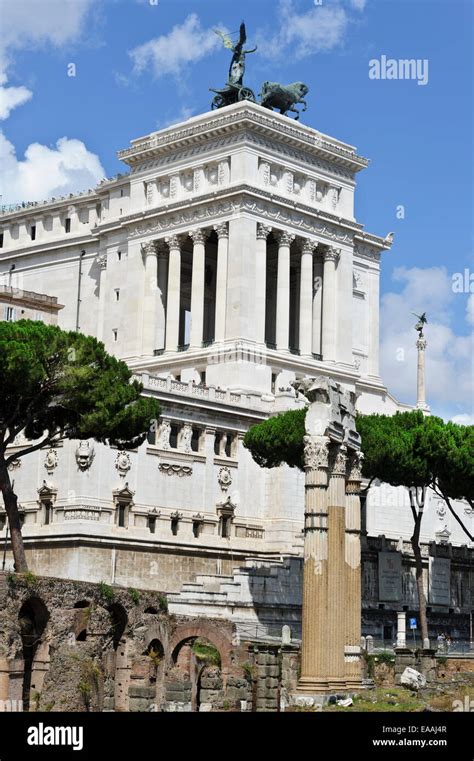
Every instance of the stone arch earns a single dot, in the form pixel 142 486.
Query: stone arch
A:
pixel 33 618
pixel 207 631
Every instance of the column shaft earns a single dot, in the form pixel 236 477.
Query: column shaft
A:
pixel 317 304
pixel 329 332
pixel 150 298
pixel 162 298
pixel 197 288
pixel 174 294
pixel 102 295
pixel 221 280
pixel 306 299
pixel 261 281
pixel 283 292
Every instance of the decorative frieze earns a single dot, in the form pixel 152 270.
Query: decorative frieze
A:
pixel 225 479
pixel 172 469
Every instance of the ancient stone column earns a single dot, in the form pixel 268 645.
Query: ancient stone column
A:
pixel 329 332
pixel 197 288
pixel 421 345
pixel 222 231
pixel 401 630
pixel 336 612
pixel 174 294
pixel 306 299
pixel 315 591
pixel 317 303
pixel 261 281
pixel 353 571
pixel 283 291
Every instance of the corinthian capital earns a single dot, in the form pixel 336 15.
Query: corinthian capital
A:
pixel 332 254
pixel 308 246
pixel 263 231
pixel 285 238
pixel 198 236
pixel 222 229
pixel 316 452
pixel 338 463
pixel 354 466
pixel 173 241
pixel 149 248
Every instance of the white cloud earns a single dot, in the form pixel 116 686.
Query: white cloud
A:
pixel 45 172
pixel 168 120
pixel 359 5
pixel 319 29
pixel 168 54
pixel 11 97
pixel 449 370
pixel 464 419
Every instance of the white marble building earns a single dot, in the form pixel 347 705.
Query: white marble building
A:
pixel 226 263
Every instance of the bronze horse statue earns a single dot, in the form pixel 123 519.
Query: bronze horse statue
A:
pixel 284 97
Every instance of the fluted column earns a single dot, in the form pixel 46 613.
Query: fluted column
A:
pixel 335 629
pixel 315 592
pixel 174 293
pixel 222 231
pixel 353 570
pixel 317 303
pixel 285 240
pixel 162 297
pixel 102 261
pixel 306 298
pixel 329 331
pixel 197 287
pixel 263 231
pixel 150 298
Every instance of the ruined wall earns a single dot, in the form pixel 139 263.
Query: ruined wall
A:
pixel 77 646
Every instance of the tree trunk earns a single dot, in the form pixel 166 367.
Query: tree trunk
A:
pixel 415 543
pixel 11 507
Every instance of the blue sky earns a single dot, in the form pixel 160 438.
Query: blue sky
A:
pixel 141 65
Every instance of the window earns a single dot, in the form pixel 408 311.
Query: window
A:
pixel 174 526
pixel 121 192
pixel 47 507
pixel 1 240
pixel 117 294
pixel 121 515
pixel 196 438
pixel 33 232
pixel 120 212
pixel 203 377
pixel 274 377
pixel 217 442
pixel 115 334
pixel 67 224
pixel 174 436
pixel 10 314
pixel 225 523
pixel 228 445
pixel 152 523
pixel 119 256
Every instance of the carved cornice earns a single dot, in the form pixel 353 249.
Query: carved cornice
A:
pixel 244 119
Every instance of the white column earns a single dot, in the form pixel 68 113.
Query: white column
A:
pixel 421 345
pixel 174 294
pixel 283 291
pixel 345 308
pixel 162 296
pixel 197 288
pixel 401 630
pixel 306 298
pixel 261 281
pixel 102 261
pixel 317 303
pixel 222 231
pixel 373 288
pixel 150 298
pixel 331 257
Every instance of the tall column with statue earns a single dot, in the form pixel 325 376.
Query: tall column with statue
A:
pixel 421 345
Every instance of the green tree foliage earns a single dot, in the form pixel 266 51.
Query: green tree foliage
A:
pixel 55 385
pixel 278 440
